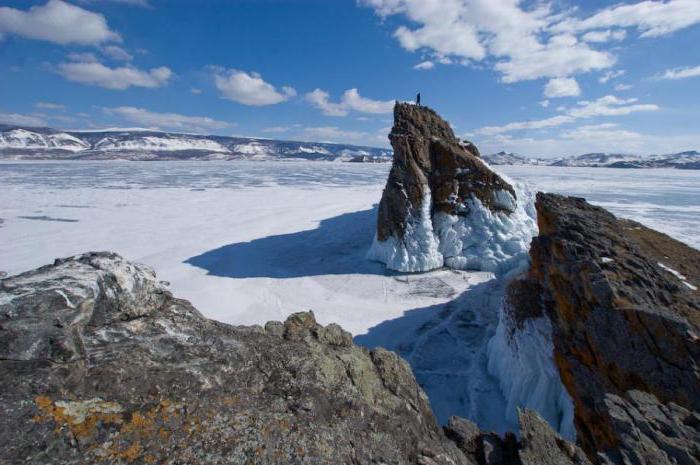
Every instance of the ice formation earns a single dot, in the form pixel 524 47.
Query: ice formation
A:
pixel 417 250
pixel 520 357
pixel 476 239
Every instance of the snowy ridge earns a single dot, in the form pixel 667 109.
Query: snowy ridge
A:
pixel 521 359
pixel 18 143
pixel 23 139
pixel 155 143
pixel 682 160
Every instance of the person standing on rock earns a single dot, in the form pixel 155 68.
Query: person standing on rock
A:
pixel 418 99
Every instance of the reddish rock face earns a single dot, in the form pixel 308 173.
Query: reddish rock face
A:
pixel 625 330
pixel 428 156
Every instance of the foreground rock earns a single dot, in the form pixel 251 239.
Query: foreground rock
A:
pixel 625 329
pixel 99 363
pixel 442 205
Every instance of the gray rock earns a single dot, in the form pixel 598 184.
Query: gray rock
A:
pixel 99 363
pixel 625 330
pixel 431 165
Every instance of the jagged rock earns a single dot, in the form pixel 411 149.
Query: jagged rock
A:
pixel 625 328
pixel 99 363
pixel 538 443
pixel 442 205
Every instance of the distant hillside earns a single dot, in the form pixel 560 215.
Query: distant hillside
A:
pixel 21 143
pixel 681 160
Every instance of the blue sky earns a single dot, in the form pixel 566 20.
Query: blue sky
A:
pixel 537 78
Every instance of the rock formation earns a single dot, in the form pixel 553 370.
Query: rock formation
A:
pixel 625 316
pixel 442 205
pixel 99 363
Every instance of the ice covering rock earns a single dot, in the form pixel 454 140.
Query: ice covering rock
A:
pixel 625 330
pixel 442 205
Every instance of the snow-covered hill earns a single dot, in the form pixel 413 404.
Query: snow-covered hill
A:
pixel 681 160
pixel 17 143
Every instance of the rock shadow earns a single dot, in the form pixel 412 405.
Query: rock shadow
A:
pixel 338 246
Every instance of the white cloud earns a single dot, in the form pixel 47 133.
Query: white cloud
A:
pixel 424 65
pixel 651 18
pixel 97 74
pixel 195 90
pixel 351 100
pixel 117 53
pixel 277 129
pixel 544 103
pixel 681 73
pixel 21 120
pixel 473 30
pixel 59 22
pixel 608 105
pixel 249 88
pixel 321 100
pixel 562 87
pixel 332 134
pixel 610 75
pixel 49 106
pixel 177 121
pixel 622 87
pixel 590 138
pixel 605 35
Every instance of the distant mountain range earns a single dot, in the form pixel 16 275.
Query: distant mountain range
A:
pixel 24 143
pixel 21 143
pixel 682 160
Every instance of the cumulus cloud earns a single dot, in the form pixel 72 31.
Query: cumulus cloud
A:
pixel 652 18
pixel 589 138
pixel 351 100
pixel 59 22
pixel 21 120
pixel 249 88
pixel 529 40
pixel 681 73
pixel 177 121
pixel 611 75
pixel 474 30
pixel 120 78
pixel 117 53
pixel 332 134
pixel 622 87
pixel 605 35
pixel 49 106
pixel 608 105
pixel 424 65
pixel 562 87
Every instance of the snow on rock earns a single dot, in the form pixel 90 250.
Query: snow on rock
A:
pixel 158 143
pixel 439 192
pixel 24 139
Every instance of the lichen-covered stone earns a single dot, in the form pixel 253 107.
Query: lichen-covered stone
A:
pixel 99 363
pixel 625 330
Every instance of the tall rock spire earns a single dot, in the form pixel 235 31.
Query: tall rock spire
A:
pixel 442 205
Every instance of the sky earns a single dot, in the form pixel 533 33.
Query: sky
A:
pixel 538 78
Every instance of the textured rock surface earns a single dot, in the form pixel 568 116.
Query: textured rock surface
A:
pixel 625 326
pixel 433 173
pixel 100 363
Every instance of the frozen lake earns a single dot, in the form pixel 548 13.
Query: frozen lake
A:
pixel 248 242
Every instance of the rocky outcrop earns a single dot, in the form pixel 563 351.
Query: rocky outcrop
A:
pixel 442 205
pixel 99 363
pixel 625 330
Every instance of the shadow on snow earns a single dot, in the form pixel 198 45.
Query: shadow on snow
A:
pixel 338 246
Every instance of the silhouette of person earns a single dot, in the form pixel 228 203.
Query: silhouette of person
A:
pixel 418 99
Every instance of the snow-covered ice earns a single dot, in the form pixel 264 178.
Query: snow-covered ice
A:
pixel 248 242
